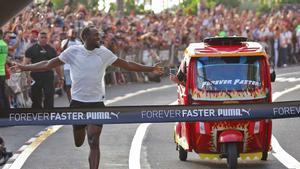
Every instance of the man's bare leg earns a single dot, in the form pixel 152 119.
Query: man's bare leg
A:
pixel 79 135
pixel 93 133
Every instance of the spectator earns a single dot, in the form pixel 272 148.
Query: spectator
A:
pixel 70 41
pixel 298 40
pixel 33 36
pixel 21 47
pixel 284 36
pixel 4 104
pixel 43 82
pixel 79 22
pixel 275 42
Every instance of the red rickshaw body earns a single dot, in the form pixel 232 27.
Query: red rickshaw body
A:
pixel 225 71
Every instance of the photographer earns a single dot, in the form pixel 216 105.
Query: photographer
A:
pixel 4 155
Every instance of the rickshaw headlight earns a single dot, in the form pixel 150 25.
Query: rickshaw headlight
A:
pixel 256 127
pixel 202 127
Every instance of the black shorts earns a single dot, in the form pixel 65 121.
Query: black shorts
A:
pixel 78 104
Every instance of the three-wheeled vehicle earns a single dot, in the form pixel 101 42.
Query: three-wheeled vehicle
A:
pixel 225 70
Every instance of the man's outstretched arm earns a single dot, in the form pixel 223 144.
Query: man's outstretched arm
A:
pixel 40 66
pixel 132 66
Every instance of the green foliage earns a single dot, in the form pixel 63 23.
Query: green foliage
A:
pixel 129 6
pixel 113 7
pixel 211 4
pixel 140 9
pixel 230 3
pixel 226 3
pixel 58 3
pixel 91 5
pixel 289 1
pixel 189 6
pixel 264 9
pixel 249 4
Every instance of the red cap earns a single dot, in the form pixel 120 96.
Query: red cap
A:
pixel 35 31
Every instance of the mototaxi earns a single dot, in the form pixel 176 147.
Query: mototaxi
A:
pixel 225 70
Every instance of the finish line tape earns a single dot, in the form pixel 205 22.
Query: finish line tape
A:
pixel 150 114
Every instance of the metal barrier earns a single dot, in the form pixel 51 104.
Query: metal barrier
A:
pixel 150 114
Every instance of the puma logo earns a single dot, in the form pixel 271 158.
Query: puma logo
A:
pixel 115 114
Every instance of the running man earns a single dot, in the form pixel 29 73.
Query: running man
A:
pixel 88 63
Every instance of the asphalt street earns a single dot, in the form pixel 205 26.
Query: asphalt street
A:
pixel 158 148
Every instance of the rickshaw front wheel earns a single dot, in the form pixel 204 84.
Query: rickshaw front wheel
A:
pixel 264 156
pixel 232 155
pixel 182 153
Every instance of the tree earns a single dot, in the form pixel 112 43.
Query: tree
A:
pixel 58 3
pixel 227 3
pixel 91 5
pixel 130 6
pixel 189 6
pixel 230 3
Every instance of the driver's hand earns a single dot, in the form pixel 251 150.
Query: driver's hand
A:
pixel 158 69
pixel 173 78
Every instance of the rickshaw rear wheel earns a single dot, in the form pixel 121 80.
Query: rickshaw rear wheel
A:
pixel 264 156
pixel 182 153
pixel 232 155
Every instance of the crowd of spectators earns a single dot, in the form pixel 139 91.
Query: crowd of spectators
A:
pixel 143 38
pixel 128 34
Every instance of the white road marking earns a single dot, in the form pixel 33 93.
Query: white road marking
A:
pixel 138 93
pixel 286 74
pixel 115 165
pixel 290 79
pixel 30 141
pixel 136 145
pixel 7 166
pixel 286 159
pixel 18 159
pixel 282 156
pixel 26 152
pixel 22 148
pixel 276 95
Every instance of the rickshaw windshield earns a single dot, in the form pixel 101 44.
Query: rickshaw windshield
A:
pixel 228 73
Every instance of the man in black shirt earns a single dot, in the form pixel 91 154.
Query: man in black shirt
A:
pixel 42 85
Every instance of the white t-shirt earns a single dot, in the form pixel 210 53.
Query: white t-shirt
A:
pixel 87 71
pixel 70 43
